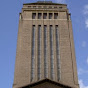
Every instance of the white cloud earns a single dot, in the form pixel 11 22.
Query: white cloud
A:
pixel 86 9
pixel 87 60
pixel 84 44
pixel 86 22
pixel 82 84
pixel 60 1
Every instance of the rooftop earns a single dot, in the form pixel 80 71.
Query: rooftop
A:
pixel 44 3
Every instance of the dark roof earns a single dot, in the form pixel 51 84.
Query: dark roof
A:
pixel 46 80
pixel 44 3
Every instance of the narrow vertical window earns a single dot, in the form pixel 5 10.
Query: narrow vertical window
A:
pixel 50 7
pixel 50 15
pixel 33 57
pixel 45 7
pixel 51 52
pixel 33 15
pixel 39 15
pixel 55 7
pixel 39 52
pixel 57 52
pixel 60 7
pixel 34 6
pixel 44 15
pixel 55 15
pixel 45 53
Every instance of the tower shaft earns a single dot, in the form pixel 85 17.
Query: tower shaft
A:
pixel 45 47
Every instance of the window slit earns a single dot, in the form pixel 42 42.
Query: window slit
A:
pixel 57 53
pixel 51 52
pixel 39 52
pixel 45 53
pixel 33 49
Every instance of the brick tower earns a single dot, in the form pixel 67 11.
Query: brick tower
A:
pixel 45 56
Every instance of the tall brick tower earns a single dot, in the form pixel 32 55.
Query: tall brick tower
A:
pixel 45 56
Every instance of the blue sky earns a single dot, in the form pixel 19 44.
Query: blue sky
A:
pixel 9 19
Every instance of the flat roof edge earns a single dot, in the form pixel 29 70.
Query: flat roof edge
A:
pixel 42 3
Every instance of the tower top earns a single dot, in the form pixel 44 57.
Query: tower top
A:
pixel 44 1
